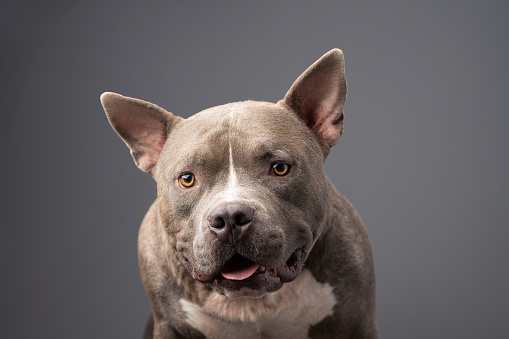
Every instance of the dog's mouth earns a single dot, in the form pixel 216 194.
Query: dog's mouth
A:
pixel 241 277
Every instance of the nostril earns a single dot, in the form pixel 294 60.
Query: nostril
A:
pixel 217 222
pixel 243 219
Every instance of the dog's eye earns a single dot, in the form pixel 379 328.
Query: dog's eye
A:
pixel 186 180
pixel 280 169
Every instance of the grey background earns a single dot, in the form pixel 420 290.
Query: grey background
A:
pixel 423 158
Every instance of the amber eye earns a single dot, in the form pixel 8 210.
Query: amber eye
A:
pixel 280 168
pixel 186 180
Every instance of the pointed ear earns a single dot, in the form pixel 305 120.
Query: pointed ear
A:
pixel 143 126
pixel 319 94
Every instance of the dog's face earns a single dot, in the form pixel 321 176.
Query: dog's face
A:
pixel 243 195
pixel 241 188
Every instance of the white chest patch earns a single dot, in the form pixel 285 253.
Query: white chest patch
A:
pixel 287 313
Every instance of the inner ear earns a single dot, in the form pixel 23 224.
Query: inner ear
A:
pixel 145 135
pixel 319 94
pixel 143 126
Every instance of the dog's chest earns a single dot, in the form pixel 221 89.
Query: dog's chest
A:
pixel 287 313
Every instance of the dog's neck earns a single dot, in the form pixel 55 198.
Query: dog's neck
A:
pixel 286 313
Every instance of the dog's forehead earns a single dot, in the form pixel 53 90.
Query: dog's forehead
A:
pixel 242 133
pixel 249 121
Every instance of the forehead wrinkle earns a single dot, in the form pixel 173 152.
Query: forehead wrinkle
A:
pixel 206 147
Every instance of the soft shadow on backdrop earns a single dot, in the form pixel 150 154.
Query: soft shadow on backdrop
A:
pixel 423 158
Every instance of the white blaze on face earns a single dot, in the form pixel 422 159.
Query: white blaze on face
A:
pixel 233 183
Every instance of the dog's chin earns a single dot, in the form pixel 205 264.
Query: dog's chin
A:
pixel 242 278
pixel 255 286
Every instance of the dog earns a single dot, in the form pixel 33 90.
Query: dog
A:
pixel 248 238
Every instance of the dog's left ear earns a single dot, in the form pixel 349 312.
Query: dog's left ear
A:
pixel 143 126
pixel 319 94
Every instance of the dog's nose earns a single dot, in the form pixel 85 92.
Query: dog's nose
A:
pixel 231 222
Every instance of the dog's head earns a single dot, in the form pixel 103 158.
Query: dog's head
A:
pixel 241 188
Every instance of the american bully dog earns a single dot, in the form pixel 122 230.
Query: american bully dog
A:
pixel 247 237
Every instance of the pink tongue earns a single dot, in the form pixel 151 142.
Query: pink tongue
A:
pixel 239 269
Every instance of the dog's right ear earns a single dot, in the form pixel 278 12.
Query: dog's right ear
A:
pixel 143 126
pixel 319 94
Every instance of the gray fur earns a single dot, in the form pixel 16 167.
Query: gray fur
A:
pixel 298 210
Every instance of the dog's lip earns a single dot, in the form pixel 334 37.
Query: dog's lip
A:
pixel 292 267
pixel 263 279
pixel 197 275
pixel 285 272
